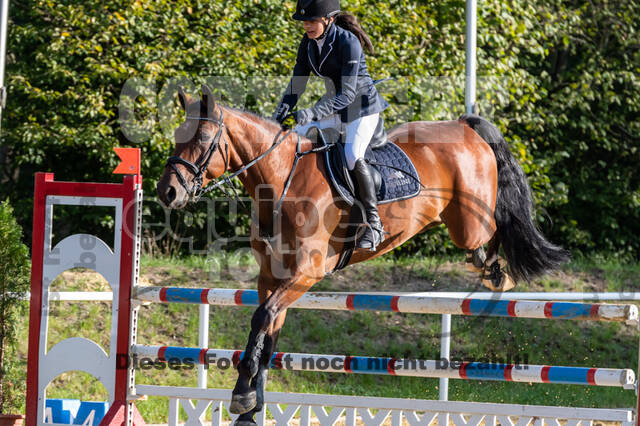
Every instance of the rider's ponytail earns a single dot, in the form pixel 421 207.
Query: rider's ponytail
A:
pixel 350 23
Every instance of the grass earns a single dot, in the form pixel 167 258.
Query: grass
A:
pixel 587 344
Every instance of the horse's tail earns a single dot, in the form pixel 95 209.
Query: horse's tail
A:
pixel 527 251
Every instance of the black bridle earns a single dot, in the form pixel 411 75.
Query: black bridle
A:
pixel 200 166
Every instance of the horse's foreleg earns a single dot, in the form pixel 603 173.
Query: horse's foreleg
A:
pixel 257 353
pixel 261 342
pixel 259 381
pixel 250 370
pixel 244 396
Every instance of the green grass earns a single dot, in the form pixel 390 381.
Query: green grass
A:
pixel 586 344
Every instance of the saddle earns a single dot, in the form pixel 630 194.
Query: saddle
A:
pixel 394 174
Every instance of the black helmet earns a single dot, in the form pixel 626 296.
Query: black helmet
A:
pixel 307 10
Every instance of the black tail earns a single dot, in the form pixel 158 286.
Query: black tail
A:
pixel 528 253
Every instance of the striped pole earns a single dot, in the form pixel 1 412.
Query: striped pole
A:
pixel 178 357
pixel 400 303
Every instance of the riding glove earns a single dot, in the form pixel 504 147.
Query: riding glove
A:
pixel 281 113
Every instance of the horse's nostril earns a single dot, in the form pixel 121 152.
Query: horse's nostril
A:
pixel 171 194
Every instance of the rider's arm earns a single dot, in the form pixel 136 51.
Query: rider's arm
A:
pixel 298 82
pixel 350 55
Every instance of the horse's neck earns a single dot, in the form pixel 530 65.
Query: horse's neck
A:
pixel 249 140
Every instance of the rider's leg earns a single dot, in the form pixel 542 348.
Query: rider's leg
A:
pixel 358 136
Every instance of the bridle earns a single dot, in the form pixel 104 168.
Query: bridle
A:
pixel 202 164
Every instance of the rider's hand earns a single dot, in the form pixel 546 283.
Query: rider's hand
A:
pixel 302 117
pixel 281 113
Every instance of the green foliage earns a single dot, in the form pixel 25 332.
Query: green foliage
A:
pixel 559 78
pixel 592 134
pixel 14 282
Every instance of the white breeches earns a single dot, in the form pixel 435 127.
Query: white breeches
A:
pixel 358 134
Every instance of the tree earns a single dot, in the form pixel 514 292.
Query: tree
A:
pixel 559 78
pixel 14 283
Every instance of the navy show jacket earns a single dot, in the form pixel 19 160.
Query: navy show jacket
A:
pixel 341 63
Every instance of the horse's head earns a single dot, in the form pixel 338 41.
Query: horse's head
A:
pixel 201 153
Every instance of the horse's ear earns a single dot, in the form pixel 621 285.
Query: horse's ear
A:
pixel 183 97
pixel 208 104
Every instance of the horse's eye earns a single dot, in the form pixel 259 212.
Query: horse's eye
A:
pixel 206 137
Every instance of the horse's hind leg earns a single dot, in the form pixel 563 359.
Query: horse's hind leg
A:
pixel 470 226
pixel 469 230
pixel 475 260
pixel 494 276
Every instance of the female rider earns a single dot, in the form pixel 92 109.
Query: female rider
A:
pixel 332 49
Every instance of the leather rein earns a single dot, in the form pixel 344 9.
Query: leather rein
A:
pixel 200 166
pixel 196 191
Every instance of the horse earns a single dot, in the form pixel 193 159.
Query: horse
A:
pixel 470 182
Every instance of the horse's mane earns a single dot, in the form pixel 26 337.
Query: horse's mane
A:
pixel 255 117
pixel 262 124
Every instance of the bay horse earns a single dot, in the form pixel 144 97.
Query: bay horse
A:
pixel 470 182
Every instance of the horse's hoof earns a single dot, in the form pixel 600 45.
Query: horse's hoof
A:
pixel 475 261
pixel 495 278
pixel 244 423
pixel 505 283
pixel 243 403
pixel 473 268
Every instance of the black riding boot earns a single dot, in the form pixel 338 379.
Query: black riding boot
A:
pixel 374 233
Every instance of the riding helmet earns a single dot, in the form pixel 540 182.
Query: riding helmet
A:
pixel 307 10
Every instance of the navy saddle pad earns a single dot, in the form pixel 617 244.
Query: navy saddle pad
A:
pixel 397 180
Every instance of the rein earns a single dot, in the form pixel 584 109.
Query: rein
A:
pixel 297 156
pixel 200 166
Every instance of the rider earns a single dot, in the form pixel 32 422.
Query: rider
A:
pixel 332 48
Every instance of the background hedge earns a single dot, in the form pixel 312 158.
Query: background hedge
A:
pixel 560 79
